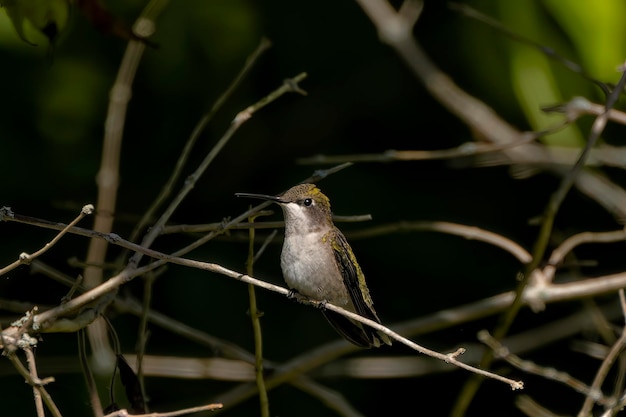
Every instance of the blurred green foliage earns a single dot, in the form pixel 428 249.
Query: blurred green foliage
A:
pixel 46 18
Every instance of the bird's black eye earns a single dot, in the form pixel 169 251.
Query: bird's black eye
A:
pixel 308 201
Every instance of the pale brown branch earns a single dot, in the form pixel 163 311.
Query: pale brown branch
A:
pixel 558 254
pixel 26 258
pixel 579 106
pixel 210 227
pixel 32 368
pixel 449 358
pixel 90 381
pixel 397 31
pixel 468 232
pixel 555 292
pixel 185 411
pixel 35 382
pixel 107 178
pixel 608 361
pixel 290 85
pixel 503 352
pixel 121 278
pixel 167 188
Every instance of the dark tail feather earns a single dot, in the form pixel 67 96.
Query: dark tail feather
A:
pixel 355 332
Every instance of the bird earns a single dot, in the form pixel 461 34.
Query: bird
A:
pixel 317 262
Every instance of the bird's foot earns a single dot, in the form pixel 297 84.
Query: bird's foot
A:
pixel 293 294
pixel 322 305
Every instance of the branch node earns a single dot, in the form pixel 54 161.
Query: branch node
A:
pixel 452 356
pixel 27 319
pixel 88 209
pixel 515 385
pixel 292 83
pixel 24 258
pixel 243 116
pixel 26 341
pixel 6 212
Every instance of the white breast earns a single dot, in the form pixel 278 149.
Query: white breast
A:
pixel 309 267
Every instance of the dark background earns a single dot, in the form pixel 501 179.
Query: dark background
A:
pixel 361 99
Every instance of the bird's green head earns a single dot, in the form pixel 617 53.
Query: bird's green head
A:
pixel 305 207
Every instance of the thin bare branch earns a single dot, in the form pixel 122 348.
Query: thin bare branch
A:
pixel 32 368
pixel 549 373
pixel 608 361
pixel 116 281
pixel 167 188
pixel 37 384
pixel 468 232
pixel 558 254
pixel 210 227
pixel 108 175
pixel 94 399
pixel 255 318
pixel 185 411
pixel 290 85
pixel 26 258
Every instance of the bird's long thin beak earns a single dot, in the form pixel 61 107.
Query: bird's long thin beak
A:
pixel 273 198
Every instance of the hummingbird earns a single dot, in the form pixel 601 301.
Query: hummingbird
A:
pixel 318 263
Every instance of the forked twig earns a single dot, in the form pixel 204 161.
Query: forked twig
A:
pixel 26 258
